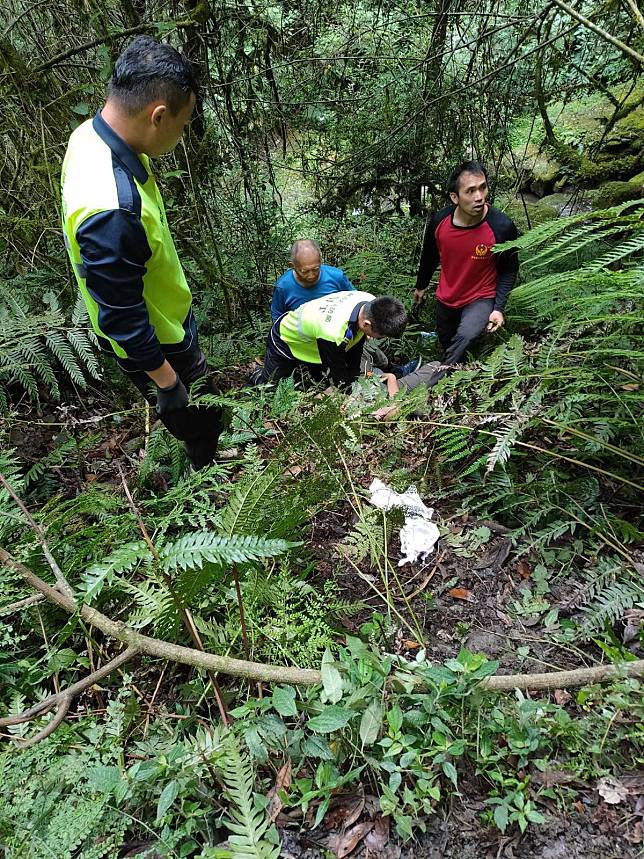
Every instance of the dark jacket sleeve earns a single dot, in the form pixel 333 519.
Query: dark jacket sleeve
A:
pixel 115 250
pixel 343 365
pixel 507 262
pixel 429 257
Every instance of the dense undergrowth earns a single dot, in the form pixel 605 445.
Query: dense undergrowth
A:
pixel 540 436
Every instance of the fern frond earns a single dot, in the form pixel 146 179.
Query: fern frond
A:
pixel 121 560
pixel 239 516
pixel 631 246
pixel 248 824
pixel 192 550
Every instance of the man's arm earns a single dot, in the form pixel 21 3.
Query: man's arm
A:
pixel 507 262
pixel 115 251
pixel 277 304
pixel 345 283
pixel 343 365
pixel 429 259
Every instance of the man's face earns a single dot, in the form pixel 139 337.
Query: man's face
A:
pixel 307 267
pixel 471 194
pixel 166 128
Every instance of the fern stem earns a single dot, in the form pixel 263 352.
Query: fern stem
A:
pixel 618 451
pixel 242 616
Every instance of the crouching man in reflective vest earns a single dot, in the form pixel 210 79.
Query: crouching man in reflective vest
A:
pixel 326 335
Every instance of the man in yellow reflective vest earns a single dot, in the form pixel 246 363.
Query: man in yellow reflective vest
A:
pixel 119 244
pixel 326 335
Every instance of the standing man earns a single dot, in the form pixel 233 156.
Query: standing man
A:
pixel 121 249
pixel 327 335
pixel 474 283
pixel 307 279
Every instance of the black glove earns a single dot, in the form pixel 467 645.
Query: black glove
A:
pixel 173 398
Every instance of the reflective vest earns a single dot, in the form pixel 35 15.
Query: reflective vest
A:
pixel 325 318
pixel 101 173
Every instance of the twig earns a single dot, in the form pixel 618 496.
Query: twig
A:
pixel 63 584
pixel 71 692
pixel 110 37
pixel 50 728
pixel 18 606
pixel 427 578
pixel 242 615
pixel 183 609
pixel 297 676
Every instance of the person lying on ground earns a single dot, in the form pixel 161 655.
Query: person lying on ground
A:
pixel 474 283
pixel 422 376
pixel 119 244
pixel 309 278
pixel 326 336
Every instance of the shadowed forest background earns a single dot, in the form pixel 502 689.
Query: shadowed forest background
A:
pixel 376 721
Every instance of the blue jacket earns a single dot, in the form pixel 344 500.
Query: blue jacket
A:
pixel 289 295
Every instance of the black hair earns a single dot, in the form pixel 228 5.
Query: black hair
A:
pixel 466 167
pixel 387 315
pixel 148 70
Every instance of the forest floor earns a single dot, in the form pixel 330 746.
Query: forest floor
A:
pixel 477 596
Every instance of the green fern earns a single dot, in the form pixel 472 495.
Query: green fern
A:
pixel 247 821
pixel 102 574
pixel 192 550
pixel 36 344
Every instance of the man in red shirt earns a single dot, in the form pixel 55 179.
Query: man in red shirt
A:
pixel 474 283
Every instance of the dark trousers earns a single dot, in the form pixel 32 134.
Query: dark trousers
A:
pixel 278 365
pixel 199 427
pixel 459 327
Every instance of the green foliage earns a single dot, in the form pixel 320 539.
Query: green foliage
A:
pixel 247 822
pixel 36 344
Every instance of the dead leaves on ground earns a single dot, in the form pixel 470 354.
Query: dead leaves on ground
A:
pixel 352 822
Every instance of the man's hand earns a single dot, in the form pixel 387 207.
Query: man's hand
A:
pixel 419 296
pixel 173 398
pixel 496 321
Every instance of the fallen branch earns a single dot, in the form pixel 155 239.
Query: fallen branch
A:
pixel 164 649
pixel 49 728
pixel 63 584
pixel 563 679
pixel 297 676
pixel 72 692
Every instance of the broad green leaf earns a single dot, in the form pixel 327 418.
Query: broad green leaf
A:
pixel 168 796
pixel 395 718
pixel 450 771
pixel 501 817
pixel 371 723
pixel 284 701
pixel 82 108
pixel 331 679
pixel 316 747
pixel 331 719
pixel 105 779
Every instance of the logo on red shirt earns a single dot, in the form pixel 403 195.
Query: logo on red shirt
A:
pixel 480 251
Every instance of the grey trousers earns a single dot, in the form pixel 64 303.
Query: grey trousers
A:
pixel 459 327
pixel 425 375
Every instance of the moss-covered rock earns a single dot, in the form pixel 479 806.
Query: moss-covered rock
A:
pixel 527 215
pixel 612 193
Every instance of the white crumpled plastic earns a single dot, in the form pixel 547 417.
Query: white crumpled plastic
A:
pixel 419 535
